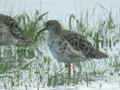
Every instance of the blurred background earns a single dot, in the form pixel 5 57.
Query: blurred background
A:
pixel 33 67
pixel 57 9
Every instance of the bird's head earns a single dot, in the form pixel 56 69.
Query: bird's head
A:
pixel 9 22
pixel 14 29
pixel 51 26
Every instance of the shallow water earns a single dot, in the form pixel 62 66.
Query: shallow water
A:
pixel 61 10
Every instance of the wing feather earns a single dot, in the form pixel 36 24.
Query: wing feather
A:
pixel 80 43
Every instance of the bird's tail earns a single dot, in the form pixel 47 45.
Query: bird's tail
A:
pixel 96 54
pixel 99 54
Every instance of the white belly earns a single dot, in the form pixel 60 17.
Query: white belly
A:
pixel 62 53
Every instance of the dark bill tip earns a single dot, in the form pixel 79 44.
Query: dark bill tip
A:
pixel 40 32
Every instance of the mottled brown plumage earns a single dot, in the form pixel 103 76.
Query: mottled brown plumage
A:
pixel 80 43
pixel 68 46
pixel 11 32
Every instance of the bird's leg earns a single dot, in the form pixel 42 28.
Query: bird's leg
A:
pixel 74 71
pixel 69 73
pixel 69 68
pixel 79 72
pixel 11 50
pixel 80 68
pixel 74 74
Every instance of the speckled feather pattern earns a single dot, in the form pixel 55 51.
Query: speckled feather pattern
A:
pixel 68 46
pixel 9 27
pixel 80 43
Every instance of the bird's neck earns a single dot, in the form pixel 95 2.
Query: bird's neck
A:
pixel 54 33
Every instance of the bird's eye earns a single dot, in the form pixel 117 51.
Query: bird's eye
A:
pixel 47 24
pixel 16 25
pixel 11 24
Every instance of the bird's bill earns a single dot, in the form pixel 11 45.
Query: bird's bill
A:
pixel 40 32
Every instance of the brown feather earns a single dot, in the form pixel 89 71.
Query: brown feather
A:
pixel 80 43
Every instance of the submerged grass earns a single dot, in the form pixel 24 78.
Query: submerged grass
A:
pixel 28 66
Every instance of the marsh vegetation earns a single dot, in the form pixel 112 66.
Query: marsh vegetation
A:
pixel 32 66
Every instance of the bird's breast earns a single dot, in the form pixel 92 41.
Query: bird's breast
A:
pixel 62 51
pixel 56 48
